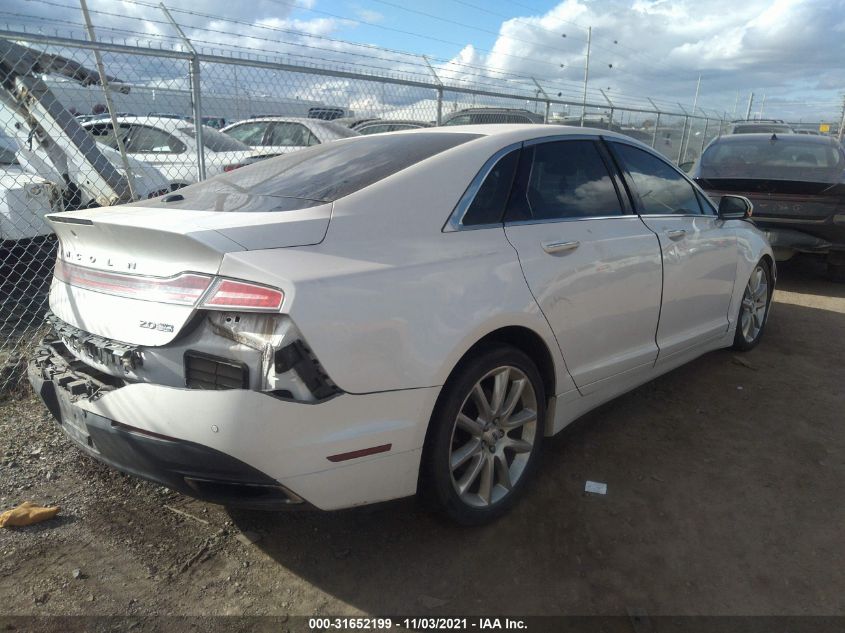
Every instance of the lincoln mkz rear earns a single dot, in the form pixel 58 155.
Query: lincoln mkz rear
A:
pixel 380 316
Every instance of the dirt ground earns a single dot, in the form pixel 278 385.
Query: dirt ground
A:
pixel 725 496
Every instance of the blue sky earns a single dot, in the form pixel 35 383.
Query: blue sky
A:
pixel 791 51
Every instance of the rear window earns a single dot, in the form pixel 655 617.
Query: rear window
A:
pixel 325 173
pixel 216 141
pixel 799 158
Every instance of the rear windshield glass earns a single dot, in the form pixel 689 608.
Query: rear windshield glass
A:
pixel 324 173
pixel 216 141
pixel 799 158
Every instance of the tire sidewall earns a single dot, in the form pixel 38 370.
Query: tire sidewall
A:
pixel 436 479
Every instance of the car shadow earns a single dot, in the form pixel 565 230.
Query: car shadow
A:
pixel 707 468
pixel 808 275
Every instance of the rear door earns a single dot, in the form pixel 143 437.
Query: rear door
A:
pixel 699 254
pixel 592 265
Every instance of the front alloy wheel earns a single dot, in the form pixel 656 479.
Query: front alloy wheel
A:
pixel 754 308
pixel 485 436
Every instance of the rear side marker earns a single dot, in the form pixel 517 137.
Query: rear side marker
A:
pixel 342 457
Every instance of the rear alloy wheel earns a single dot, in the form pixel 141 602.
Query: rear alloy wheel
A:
pixel 754 308
pixel 489 429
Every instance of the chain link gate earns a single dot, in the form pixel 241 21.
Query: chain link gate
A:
pixel 60 149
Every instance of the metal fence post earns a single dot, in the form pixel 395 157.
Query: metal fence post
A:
pixel 196 96
pixel 704 136
pixel 546 97
pixel 656 123
pixel 656 129
pixel 439 90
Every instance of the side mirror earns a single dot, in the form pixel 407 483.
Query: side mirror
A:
pixel 735 208
pixel 687 166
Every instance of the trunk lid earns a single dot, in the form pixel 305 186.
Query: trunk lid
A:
pixel 783 199
pixel 162 239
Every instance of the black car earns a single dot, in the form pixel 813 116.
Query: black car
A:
pixel 796 183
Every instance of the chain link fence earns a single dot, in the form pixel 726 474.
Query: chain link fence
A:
pixel 85 125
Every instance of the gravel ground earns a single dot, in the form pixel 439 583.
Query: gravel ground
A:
pixel 725 482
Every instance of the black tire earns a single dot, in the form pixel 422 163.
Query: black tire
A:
pixel 437 483
pixel 742 341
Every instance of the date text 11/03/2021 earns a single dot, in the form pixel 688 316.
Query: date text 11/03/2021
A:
pixel 416 624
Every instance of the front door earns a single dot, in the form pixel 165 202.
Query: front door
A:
pixel 699 255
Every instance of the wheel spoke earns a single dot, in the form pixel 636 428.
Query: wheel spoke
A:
pixel 519 419
pixel 745 321
pixel 473 427
pixel 480 399
pixel 758 277
pixel 500 390
pixel 460 456
pixel 513 399
pixel 485 486
pixel 516 445
pixel 503 474
pixel 471 474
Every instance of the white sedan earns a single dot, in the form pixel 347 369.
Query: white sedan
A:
pixel 390 314
pixel 170 144
pixel 275 135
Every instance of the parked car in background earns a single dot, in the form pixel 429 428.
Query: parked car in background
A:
pixel 593 121
pixel 761 126
pixel 482 116
pixel 170 145
pixel 388 314
pixel 271 135
pixel 327 113
pixel 217 122
pixel 377 126
pixel 796 183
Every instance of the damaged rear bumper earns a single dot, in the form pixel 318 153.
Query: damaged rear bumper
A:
pixel 187 467
pixel 239 447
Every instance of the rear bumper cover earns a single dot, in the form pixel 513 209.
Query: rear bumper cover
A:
pixel 240 447
pixel 187 467
pixel 791 239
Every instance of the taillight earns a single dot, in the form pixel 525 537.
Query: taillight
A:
pixel 233 166
pixel 182 289
pixel 228 294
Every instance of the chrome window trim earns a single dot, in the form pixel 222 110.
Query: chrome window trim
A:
pixel 561 137
pixel 624 216
pixel 455 221
pixel 679 215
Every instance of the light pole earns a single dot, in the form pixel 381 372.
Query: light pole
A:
pixel 586 73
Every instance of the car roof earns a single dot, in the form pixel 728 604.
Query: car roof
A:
pixel 507 133
pixel 801 139
pixel 167 123
pixel 292 119
pixel 390 121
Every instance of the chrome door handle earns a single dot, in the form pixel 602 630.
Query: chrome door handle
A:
pixel 560 247
pixel 676 234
